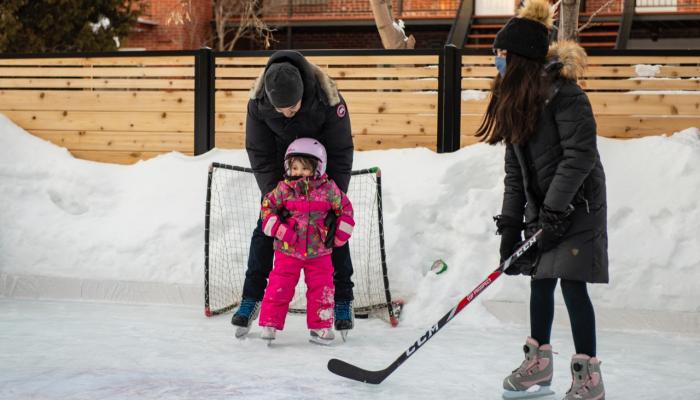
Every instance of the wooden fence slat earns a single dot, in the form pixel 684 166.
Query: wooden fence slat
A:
pixel 337 60
pixel 640 84
pixel 347 84
pixel 121 141
pixel 109 72
pixel 619 126
pixel 101 83
pixel 113 61
pixel 641 60
pixel 382 142
pixel 608 84
pixel 630 71
pixel 80 100
pixel 362 124
pixel 358 102
pixel 117 157
pixel 622 104
pixel 624 71
pixel 343 72
pixel 147 121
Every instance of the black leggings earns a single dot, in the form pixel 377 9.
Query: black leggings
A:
pixel 578 304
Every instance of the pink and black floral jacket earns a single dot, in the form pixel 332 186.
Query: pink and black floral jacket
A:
pixel 308 201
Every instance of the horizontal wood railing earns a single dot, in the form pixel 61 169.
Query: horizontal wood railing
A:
pixel 631 96
pixel 124 108
pixel 391 99
pixel 111 109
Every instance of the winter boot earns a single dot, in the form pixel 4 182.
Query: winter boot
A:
pixel 534 376
pixel 244 317
pixel 587 382
pixel 344 317
pixel 323 336
pixel 268 333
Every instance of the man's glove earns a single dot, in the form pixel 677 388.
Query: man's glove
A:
pixel 510 230
pixel 554 225
pixel 330 223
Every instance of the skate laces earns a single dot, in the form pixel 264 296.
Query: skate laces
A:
pixel 247 307
pixel 343 310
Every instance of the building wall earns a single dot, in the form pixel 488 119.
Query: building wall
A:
pixel 352 38
pixel 157 33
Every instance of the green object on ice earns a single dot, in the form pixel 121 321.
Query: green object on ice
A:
pixel 438 266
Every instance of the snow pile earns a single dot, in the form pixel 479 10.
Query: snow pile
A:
pixel 474 95
pixel 63 217
pixel 648 71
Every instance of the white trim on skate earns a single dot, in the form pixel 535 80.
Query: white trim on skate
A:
pixel 533 392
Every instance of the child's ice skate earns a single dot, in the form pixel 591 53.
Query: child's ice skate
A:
pixel 322 336
pixel 268 333
pixel 586 380
pixel 534 376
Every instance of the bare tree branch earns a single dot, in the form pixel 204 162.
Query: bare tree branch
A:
pixel 391 33
pixel 590 19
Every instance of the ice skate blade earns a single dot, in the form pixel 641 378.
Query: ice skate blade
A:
pixel 321 342
pixel 532 393
pixel 344 334
pixel 242 331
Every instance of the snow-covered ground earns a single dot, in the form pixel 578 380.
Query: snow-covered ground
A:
pixel 73 230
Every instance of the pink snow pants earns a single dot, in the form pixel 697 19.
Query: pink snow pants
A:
pixel 318 274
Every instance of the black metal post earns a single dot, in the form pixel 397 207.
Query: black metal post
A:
pixel 204 77
pixel 626 19
pixel 449 99
pixel 460 25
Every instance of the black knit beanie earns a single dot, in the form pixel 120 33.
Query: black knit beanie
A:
pixel 283 84
pixel 527 35
pixel 523 37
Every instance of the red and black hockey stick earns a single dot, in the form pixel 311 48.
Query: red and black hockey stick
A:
pixel 350 371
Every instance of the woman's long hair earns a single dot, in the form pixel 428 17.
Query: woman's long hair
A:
pixel 516 102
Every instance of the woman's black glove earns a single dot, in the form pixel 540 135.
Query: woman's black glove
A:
pixel 554 225
pixel 510 230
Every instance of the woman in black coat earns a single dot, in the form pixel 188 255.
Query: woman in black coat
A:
pixel 554 182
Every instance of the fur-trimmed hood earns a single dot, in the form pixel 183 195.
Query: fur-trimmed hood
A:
pixel 313 76
pixel 569 57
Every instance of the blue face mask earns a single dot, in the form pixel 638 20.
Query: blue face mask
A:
pixel 501 65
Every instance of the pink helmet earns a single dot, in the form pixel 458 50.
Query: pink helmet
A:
pixel 307 147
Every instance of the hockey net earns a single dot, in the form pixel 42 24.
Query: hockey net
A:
pixel 232 212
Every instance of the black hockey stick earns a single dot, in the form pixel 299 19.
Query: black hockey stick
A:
pixel 350 371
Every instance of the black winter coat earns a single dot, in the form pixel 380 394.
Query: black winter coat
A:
pixel 323 116
pixel 558 166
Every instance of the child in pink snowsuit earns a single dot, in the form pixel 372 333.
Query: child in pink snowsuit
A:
pixel 294 213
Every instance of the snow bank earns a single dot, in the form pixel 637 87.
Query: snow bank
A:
pixel 68 219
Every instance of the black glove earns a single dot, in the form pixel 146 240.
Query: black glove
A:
pixel 331 225
pixel 510 230
pixel 554 225
pixel 283 213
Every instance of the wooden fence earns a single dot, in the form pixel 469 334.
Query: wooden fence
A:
pixel 126 108
pixel 109 109
pixel 631 96
pixel 392 99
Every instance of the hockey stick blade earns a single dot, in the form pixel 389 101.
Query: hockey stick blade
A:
pixel 346 370
pixel 341 368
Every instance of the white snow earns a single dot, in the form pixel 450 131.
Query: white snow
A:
pixel 647 70
pixel 140 228
pixel 472 95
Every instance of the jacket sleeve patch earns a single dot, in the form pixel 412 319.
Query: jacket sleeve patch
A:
pixel 340 111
